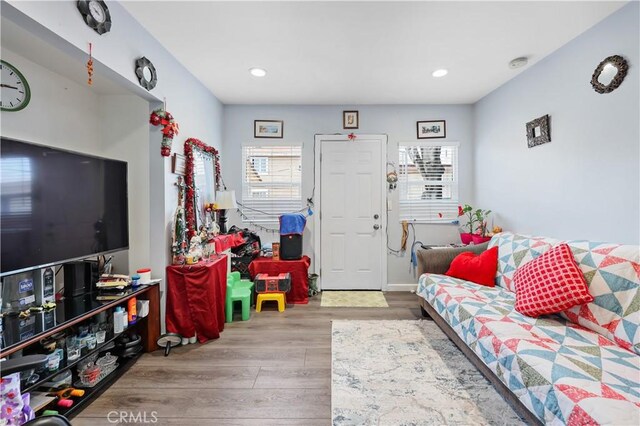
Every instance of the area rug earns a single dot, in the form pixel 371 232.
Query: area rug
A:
pixel 408 373
pixel 353 299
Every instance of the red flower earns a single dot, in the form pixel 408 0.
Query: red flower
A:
pixel 440 215
pixel 460 211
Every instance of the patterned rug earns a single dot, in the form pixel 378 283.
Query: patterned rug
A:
pixel 408 373
pixel 353 299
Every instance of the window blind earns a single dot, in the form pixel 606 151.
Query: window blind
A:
pixel 428 182
pixel 272 178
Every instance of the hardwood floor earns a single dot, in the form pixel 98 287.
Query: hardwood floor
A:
pixel 274 369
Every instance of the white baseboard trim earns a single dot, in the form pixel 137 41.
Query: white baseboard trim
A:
pixel 402 287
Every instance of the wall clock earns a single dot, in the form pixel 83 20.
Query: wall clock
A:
pixel 146 72
pixel 96 15
pixel 15 93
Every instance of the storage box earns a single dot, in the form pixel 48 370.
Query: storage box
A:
pixel 273 284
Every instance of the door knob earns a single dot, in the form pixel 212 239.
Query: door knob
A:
pixel 375 216
pixel 376 226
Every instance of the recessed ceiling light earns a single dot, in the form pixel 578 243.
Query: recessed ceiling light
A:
pixel 518 62
pixel 440 73
pixel 258 72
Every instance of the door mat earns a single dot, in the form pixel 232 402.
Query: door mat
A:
pixel 407 373
pixel 353 299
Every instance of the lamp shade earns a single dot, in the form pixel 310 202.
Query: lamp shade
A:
pixel 225 200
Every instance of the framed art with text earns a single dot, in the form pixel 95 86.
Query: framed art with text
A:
pixel 432 129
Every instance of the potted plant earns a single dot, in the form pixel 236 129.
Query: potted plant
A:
pixel 476 220
pixel 467 210
pixel 480 236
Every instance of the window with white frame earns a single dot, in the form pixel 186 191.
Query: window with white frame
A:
pixel 272 180
pixel 428 181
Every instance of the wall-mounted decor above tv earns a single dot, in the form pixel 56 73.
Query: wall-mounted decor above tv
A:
pixel 58 206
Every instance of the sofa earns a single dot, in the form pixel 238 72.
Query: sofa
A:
pixel 579 367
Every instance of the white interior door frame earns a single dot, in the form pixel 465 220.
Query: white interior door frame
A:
pixel 317 221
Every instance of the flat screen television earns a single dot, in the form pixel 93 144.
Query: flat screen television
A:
pixel 57 206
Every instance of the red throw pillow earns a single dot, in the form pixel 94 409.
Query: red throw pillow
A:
pixel 550 283
pixel 480 269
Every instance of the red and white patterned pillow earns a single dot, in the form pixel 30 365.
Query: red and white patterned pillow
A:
pixel 550 283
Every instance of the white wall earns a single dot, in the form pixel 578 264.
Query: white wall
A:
pixel 301 123
pixel 123 133
pixel 585 183
pixel 61 112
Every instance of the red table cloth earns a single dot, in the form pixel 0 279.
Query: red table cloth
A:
pixel 227 241
pixel 196 299
pixel 299 270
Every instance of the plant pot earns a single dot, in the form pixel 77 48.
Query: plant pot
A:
pixel 479 239
pixel 466 237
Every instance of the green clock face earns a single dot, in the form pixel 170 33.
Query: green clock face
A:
pixel 15 93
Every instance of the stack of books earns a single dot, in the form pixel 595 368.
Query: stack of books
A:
pixel 112 286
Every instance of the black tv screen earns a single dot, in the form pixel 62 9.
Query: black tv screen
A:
pixel 58 206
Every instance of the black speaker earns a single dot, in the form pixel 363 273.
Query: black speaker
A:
pixel 74 279
pixel 291 247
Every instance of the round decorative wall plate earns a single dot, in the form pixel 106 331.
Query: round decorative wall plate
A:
pixel 15 93
pixel 146 72
pixel 96 15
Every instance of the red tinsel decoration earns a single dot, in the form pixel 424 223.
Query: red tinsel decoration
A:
pixel 170 128
pixel 188 178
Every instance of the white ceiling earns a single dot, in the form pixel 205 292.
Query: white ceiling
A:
pixel 361 52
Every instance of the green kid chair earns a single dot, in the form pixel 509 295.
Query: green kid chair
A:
pixel 237 282
pixel 242 295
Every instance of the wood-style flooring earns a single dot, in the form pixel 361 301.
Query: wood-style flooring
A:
pixel 274 369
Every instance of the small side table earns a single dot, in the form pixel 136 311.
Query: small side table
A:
pixel 196 296
pixel 299 270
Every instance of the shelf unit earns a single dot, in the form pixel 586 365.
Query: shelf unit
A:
pixel 148 328
pixel 67 366
pixel 92 393
pixel 149 291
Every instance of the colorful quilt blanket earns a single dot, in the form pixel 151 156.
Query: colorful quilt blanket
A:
pixel 561 371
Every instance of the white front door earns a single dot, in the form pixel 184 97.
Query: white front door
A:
pixel 351 214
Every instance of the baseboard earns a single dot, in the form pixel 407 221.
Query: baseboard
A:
pixel 402 287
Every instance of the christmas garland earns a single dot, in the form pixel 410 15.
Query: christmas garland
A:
pixel 170 128
pixel 188 178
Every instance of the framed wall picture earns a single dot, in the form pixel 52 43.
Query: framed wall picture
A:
pixel 350 120
pixel 432 129
pixel 272 129
pixel 178 164
pixel 538 131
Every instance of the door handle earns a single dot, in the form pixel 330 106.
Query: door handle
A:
pixel 376 226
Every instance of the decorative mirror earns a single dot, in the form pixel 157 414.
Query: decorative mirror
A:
pixel 538 131
pixel 146 72
pixel 202 178
pixel 609 74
